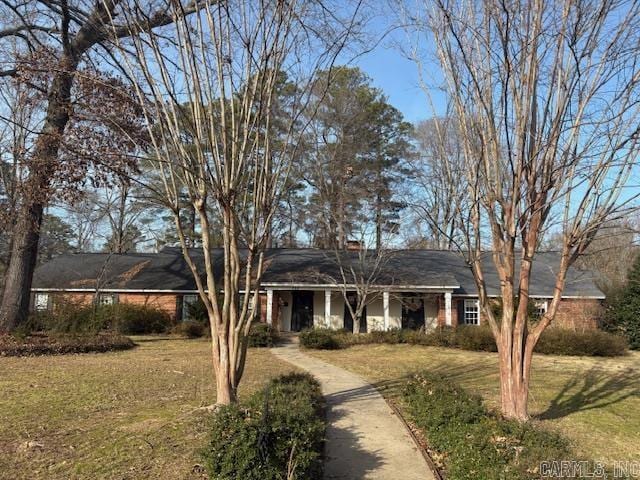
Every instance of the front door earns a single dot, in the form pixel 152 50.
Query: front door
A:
pixel 301 310
pixel 412 312
pixel 348 319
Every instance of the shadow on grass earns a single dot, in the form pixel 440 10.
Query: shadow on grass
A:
pixel 593 390
pixel 393 387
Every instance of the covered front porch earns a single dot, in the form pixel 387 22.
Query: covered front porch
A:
pixel 293 310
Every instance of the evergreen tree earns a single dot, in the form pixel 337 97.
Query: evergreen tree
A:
pixel 624 310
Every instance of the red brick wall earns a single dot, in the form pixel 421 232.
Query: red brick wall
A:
pixel 167 302
pixel 262 302
pixel 442 320
pixel 162 301
pixel 578 314
pixel 574 314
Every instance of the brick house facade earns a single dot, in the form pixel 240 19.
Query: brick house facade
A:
pixel 417 289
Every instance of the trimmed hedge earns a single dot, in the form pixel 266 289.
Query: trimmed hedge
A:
pixel 321 339
pixel 595 343
pixel 554 341
pixel 262 335
pixel 190 329
pixel 277 435
pixel 62 344
pixel 473 442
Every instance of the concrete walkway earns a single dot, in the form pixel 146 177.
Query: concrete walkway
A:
pixel 365 440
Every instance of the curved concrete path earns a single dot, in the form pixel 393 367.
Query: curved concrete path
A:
pixel 365 440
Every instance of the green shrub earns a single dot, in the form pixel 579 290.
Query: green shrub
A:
pixel 438 337
pixel 73 318
pixel 477 338
pixel 554 341
pixel 262 335
pixel 62 343
pixel 623 312
pixel 595 343
pixel 190 329
pixel 389 336
pixel 132 319
pixel 474 442
pixel 68 317
pixel 320 338
pixel 278 435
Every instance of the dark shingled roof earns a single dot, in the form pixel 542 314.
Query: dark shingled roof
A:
pixel 167 270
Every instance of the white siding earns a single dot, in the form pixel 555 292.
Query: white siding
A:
pixel 285 311
pixel 395 313
pixel 318 308
pixel 337 310
pixel 375 315
pixel 430 312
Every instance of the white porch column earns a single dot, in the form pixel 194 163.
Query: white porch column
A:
pixel 385 309
pixel 327 308
pixel 269 307
pixel 447 308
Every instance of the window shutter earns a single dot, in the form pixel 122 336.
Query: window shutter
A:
pixel 460 310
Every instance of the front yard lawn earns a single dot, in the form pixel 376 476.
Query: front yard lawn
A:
pixel 592 401
pixel 124 415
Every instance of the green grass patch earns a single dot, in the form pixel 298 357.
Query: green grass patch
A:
pixel 130 414
pixel 594 402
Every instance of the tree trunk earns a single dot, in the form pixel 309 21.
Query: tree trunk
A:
pixel 24 251
pixel 225 390
pixel 514 382
pixel 378 222
pixel 15 300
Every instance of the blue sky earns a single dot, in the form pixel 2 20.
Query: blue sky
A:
pixel 398 78
pixel 390 70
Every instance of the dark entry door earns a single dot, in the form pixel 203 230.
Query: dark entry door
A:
pixel 348 319
pixel 301 310
pixel 412 313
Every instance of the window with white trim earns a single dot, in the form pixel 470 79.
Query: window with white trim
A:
pixel 106 299
pixel 540 308
pixel 41 302
pixel 471 312
pixel 188 301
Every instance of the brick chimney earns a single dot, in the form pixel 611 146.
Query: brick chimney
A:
pixel 354 245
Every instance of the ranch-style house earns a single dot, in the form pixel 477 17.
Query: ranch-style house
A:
pixel 303 288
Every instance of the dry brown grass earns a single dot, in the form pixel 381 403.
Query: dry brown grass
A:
pixel 595 402
pixel 125 415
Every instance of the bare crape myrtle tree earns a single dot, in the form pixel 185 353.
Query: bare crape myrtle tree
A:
pixel 545 99
pixel 224 136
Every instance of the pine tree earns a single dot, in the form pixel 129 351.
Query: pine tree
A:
pixel 624 312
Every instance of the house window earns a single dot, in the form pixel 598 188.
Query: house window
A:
pixel 241 301
pixel 540 308
pixel 106 299
pixel 471 312
pixel 188 301
pixel 41 302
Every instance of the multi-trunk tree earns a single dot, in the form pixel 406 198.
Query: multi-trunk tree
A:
pixel 209 86
pixel 545 100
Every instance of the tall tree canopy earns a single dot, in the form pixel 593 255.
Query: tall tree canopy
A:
pixel 354 160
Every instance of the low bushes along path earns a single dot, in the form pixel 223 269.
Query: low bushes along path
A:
pixel 365 439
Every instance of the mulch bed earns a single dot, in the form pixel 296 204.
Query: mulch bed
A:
pixel 43 344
